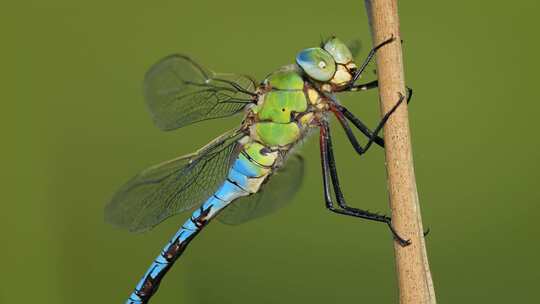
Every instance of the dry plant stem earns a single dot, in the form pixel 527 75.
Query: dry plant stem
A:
pixel 414 277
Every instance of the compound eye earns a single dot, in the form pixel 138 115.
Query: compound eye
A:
pixel 338 50
pixel 317 63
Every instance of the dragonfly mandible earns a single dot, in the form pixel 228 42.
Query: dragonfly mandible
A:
pixel 252 165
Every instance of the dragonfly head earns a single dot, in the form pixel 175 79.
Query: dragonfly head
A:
pixel 332 62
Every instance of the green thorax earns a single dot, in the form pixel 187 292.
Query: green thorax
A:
pixel 286 78
pixel 281 100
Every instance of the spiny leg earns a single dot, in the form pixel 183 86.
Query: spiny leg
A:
pixel 355 120
pixel 373 137
pixel 363 128
pixel 364 86
pixel 325 171
pixel 368 59
pixel 350 135
pixel 329 168
pixel 409 94
pixel 341 113
pixel 383 122
pixel 375 84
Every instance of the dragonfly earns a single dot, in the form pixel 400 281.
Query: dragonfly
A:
pixel 250 171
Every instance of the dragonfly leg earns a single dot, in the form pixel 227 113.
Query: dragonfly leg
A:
pixel 364 86
pixel 330 171
pixel 373 136
pixel 409 94
pixel 341 114
pixel 375 84
pixel 368 59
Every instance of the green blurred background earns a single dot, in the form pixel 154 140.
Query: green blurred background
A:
pixel 75 128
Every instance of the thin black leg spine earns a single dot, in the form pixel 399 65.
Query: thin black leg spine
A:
pixel 329 169
pixel 368 59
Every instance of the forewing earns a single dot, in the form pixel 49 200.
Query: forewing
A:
pixel 275 194
pixel 179 92
pixel 173 186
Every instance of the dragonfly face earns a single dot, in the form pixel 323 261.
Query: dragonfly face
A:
pixel 331 65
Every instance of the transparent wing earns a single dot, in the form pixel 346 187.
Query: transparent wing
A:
pixel 173 186
pixel 275 194
pixel 180 92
